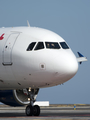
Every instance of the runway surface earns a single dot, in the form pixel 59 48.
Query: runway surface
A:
pixel 56 112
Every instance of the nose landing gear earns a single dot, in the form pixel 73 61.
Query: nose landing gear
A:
pixel 30 109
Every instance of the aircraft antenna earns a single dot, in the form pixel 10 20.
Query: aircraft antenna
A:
pixel 28 23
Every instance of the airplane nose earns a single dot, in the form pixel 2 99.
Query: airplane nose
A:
pixel 70 66
pixel 67 67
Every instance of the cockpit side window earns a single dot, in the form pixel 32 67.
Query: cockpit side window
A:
pixel 52 45
pixel 39 46
pixel 64 45
pixel 31 46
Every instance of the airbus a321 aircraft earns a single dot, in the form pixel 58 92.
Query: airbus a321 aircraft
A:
pixel 32 58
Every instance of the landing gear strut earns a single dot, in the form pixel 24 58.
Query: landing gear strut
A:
pixel 30 109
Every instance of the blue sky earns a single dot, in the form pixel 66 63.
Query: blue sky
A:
pixel 71 20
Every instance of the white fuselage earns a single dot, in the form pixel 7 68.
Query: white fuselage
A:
pixel 22 68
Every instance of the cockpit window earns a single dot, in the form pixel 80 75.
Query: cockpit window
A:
pixel 31 46
pixel 52 45
pixel 39 46
pixel 64 45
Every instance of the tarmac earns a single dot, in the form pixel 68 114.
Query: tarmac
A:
pixel 53 112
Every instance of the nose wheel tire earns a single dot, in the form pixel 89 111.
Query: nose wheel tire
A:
pixel 32 110
pixel 36 110
pixel 29 110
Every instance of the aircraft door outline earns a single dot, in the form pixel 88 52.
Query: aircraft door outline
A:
pixel 8 47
